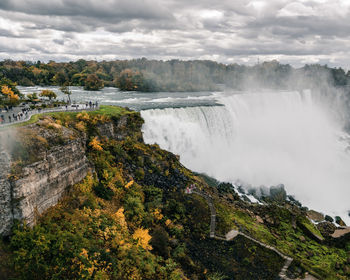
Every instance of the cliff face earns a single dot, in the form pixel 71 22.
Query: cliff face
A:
pixel 30 187
pixel 5 194
pixel 39 162
pixel 42 183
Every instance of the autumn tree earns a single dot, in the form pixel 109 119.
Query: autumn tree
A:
pixel 48 93
pixel 130 80
pixel 142 237
pixel 93 82
pixel 59 78
pixel 9 94
pixel 126 80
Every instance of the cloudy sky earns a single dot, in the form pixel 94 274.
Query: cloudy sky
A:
pixel 241 31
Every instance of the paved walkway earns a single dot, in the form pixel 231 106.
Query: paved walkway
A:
pixel 233 233
pixel 70 108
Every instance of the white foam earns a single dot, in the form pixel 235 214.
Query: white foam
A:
pixel 262 139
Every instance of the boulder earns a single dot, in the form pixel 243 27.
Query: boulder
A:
pixel 329 219
pixel 326 228
pixel 340 232
pixel 294 201
pixel 315 216
pixel 339 221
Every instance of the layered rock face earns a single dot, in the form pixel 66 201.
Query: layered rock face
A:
pixel 6 215
pixel 40 161
pixel 41 183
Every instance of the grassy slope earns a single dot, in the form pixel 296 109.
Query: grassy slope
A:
pixel 317 258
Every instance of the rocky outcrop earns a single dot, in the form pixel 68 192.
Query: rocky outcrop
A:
pixel 40 161
pixel 34 186
pixel 278 193
pixel 42 183
pixel 5 194
pixel 326 228
pixel 315 216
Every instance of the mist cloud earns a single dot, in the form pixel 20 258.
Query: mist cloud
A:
pixel 294 32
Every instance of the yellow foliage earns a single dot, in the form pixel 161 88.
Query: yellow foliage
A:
pixel 100 118
pixel 119 174
pixel 84 253
pixel 80 126
pixel 128 185
pixel 91 265
pixel 87 184
pixel 105 175
pixel 6 90
pixel 142 236
pixel 9 93
pixel 119 217
pixel 157 214
pixel 95 144
pixel 83 116
pixel 167 222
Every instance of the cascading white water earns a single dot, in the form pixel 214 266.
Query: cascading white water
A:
pixel 261 139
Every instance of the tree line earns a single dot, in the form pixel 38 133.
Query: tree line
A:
pixel 173 75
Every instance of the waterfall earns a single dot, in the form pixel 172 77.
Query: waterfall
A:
pixel 265 139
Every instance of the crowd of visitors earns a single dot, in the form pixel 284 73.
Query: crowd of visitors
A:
pixel 10 114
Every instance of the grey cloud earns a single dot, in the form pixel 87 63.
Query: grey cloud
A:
pixel 162 29
pixel 6 33
pixel 145 9
pixel 59 41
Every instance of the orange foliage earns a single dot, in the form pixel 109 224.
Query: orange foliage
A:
pixel 95 144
